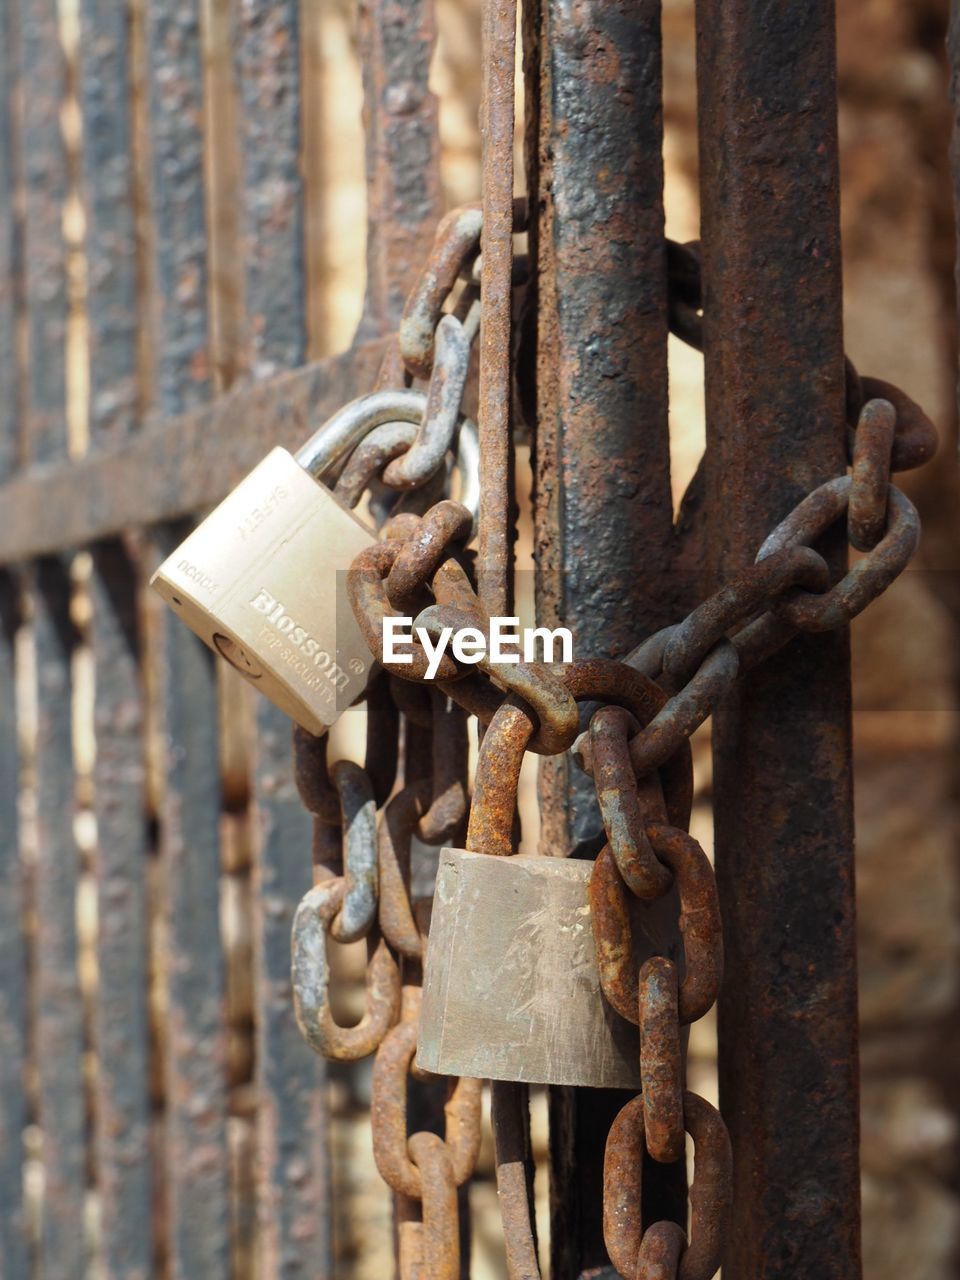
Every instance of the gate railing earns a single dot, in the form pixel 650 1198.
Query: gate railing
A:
pixel 115 1146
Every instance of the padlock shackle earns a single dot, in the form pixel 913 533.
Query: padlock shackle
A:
pixel 328 449
pixel 334 441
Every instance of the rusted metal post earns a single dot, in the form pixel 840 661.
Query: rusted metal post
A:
pixel 198 1208
pixel 404 197
pixel 953 52
pixel 604 527
pixel 58 1043
pixel 494 532
pixel 784 839
pixel 122 1114
pixel 293 1123
pixel 13 967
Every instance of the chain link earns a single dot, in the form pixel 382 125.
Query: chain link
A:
pixel 636 747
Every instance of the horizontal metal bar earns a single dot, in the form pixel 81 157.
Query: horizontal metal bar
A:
pixel 177 467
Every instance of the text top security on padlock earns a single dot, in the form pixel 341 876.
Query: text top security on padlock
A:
pixel 262 580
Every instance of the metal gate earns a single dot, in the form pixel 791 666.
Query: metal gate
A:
pixel 115 1147
pixel 120 1070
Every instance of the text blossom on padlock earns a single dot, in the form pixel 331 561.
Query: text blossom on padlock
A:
pixel 511 988
pixel 262 581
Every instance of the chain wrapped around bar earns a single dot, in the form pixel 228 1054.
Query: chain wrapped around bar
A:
pixel 364 872
pixel 637 747
pixel 645 856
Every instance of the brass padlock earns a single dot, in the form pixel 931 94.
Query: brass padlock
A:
pixel 262 580
pixel 511 984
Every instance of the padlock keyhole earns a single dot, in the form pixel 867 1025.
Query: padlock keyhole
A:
pixel 237 656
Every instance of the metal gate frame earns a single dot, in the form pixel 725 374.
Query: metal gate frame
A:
pixel 165 446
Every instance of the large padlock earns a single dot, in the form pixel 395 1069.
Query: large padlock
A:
pixel 511 982
pixel 262 580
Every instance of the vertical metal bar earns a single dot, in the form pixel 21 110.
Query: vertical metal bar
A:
pixel 953 53
pixel 494 524
pixel 124 1173
pixel 13 976
pixel 46 178
pixel 58 1016
pixel 294 1207
pixel 267 56
pixel 294 1222
pixel 13 969
pixel 404 197
pixel 178 207
pixel 782 777
pixel 104 90
pixel 10 258
pixel 58 1022
pixel 602 499
pixel 197 1158
pixel 122 1108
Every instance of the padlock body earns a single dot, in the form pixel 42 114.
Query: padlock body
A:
pixel 511 989
pixel 262 581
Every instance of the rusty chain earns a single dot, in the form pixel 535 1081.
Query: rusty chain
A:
pixel 636 747
pixel 363 865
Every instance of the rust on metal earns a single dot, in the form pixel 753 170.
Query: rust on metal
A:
pixel 388 1116
pixel 197 1219
pixel 125 1168
pixel 448 380
pixel 643 874
pixel 495 524
pixel 397 826
pixel 14 992
pixel 709 1192
pixel 440 1232
pixel 174 467
pixel 515 1169
pixel 699 925
pixel 419 556
pixel 868 578
pixel 358 821
pixel 512 727
pixel 775 410
pixel 736 602
pixel 58 1032
pixel 449 800
pixel 125 1180
pixel 660 1249
pixel 13 966
pixel 11 264
pixel 195 1049
pixel 593 380
pixel 366 587
pixel 404 196
pixel 43 160
pixel 315 787
pixel 310 971
pixel 457 238
pixel 267 55
pixel 915 437
pixel 870 474
pixel 686 710
pixel 661 1059
pixel 389 440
